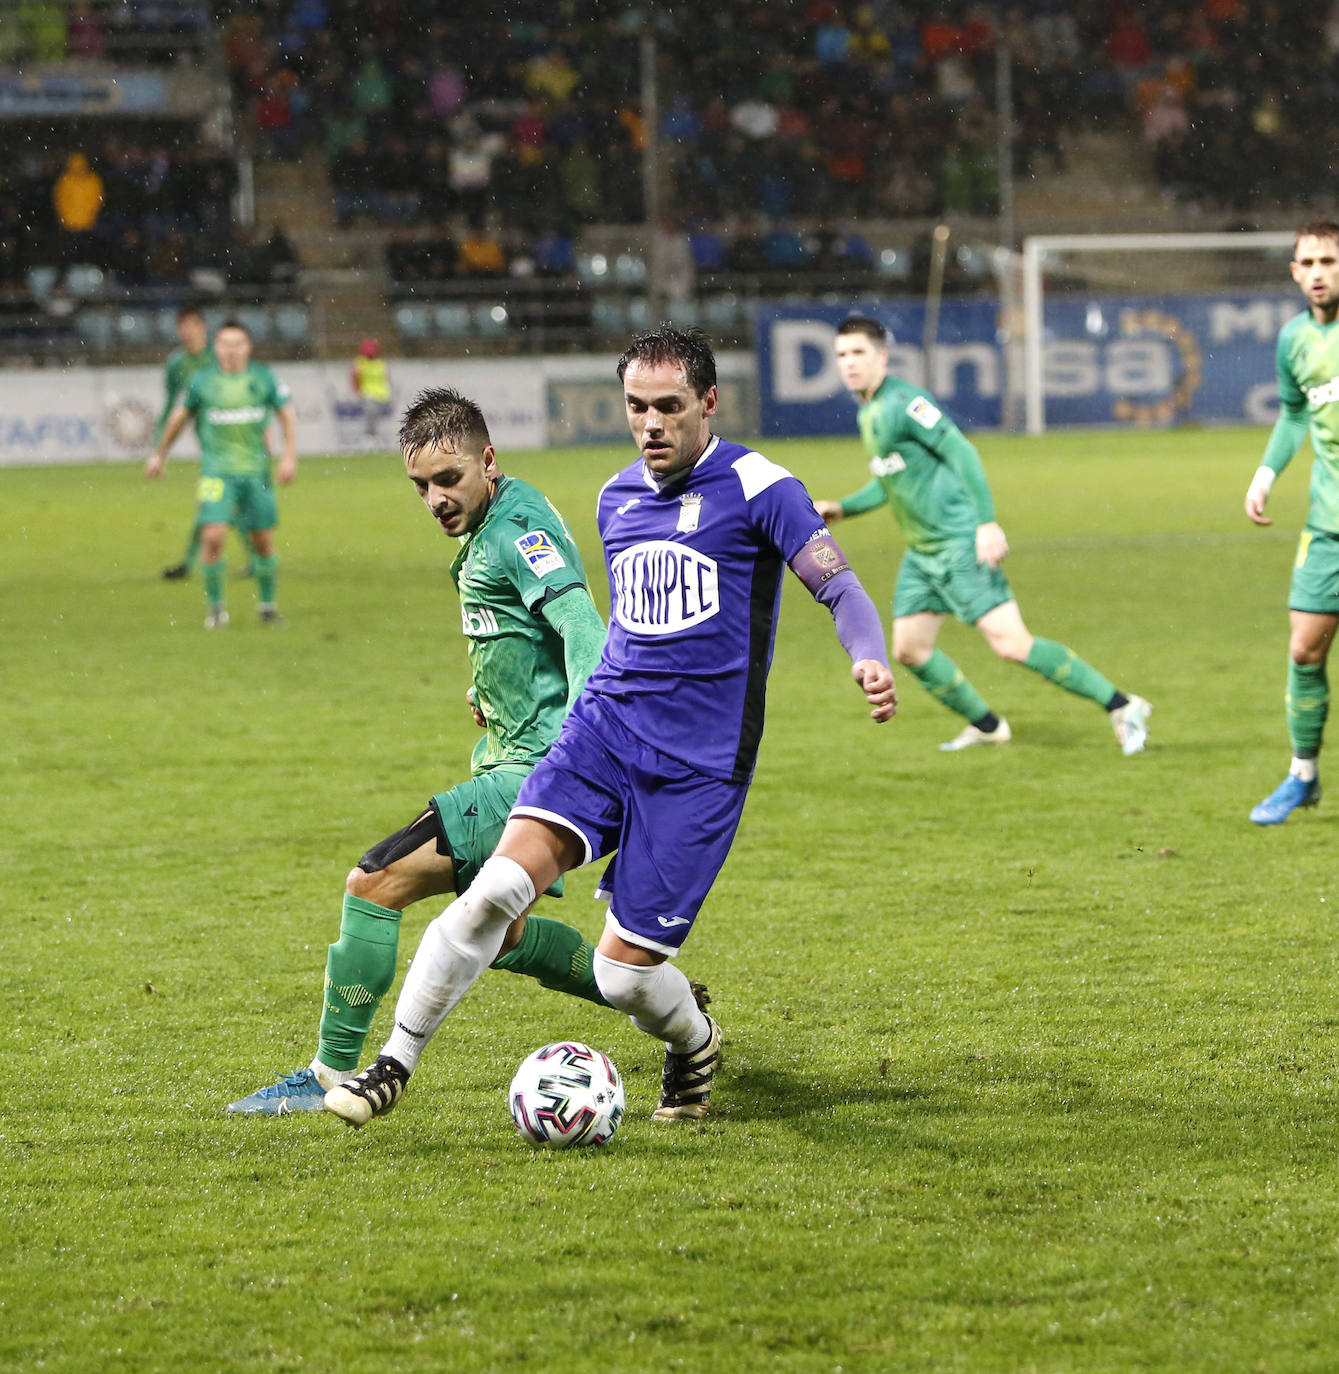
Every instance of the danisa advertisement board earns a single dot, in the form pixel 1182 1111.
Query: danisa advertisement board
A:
pixel 1107 360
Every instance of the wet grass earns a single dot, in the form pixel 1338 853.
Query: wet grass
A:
pixel 1031 1052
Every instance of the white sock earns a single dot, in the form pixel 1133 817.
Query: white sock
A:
pixel 1304 769
pixel 327 1077
pixel 658 999
pixel 454 951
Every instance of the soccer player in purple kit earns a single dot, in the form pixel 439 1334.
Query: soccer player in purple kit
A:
pixel 655 757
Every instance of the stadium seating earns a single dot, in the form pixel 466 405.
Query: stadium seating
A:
pixel 292 323
pixel 451 319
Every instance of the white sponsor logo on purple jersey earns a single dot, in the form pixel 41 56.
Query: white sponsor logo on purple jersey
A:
pixel 661 588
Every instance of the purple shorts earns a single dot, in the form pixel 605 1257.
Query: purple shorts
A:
pixel 671 825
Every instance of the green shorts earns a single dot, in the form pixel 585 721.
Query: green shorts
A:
pixel 1315 584
pixel 950 582
pixel 472 815
pixel 246 502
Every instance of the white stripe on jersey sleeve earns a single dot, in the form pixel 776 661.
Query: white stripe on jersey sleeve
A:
pixel 757 473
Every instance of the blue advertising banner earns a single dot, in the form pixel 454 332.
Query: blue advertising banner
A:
pixel 1108 360
pixel 122 93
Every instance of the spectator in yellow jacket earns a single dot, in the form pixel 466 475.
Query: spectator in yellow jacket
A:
pixel 77 196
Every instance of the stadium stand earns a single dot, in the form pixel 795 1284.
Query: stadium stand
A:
pixel 403 159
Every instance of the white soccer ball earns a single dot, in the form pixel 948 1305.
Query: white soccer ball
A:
pixel 566 1094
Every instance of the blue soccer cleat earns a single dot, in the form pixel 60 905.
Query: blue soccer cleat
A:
pixel 301 1091
pixel 1291 793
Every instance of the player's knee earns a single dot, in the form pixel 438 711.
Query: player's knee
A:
pixel 361 883
pixel 500 894
pixel 1012 649
pixel 911 655
pixel 1307 653
pixel 629 987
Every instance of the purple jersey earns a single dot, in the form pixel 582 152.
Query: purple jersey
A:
pixel 695 574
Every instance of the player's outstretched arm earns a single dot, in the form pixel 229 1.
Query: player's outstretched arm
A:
pixel 578 623
pixel 1258 493
pixel 870 497
pixel 1287 436
pixel 288 463
pixel 823 569
pixel 176 422
pixel 876 681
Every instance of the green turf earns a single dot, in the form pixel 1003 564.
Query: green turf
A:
pixel 1031 1052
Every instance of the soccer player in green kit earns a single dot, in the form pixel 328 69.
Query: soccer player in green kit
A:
pixel 231 404
pixel 1307 361
pixel 182 364
pixel 193 355
pixel 925 468
pixel 534 636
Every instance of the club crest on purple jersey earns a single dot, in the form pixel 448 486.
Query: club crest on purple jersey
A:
pixel 690 512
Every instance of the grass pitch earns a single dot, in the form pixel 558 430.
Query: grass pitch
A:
pixel 1031 1052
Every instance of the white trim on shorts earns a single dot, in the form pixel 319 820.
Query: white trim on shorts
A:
pixel 538 813
pixel 633 938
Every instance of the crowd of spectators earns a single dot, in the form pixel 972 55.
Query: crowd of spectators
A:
pixel 141 214
pixel 865 108
pixel 1229 96
pixel 139 31
pixel 488 138
pixel 536 113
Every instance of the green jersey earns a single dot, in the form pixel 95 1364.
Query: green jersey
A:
pixel 923 466
pixel 231 412
pixel 519 558
pixel 1307 361
pixel 180 367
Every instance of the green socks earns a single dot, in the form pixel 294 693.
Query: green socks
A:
pixel 558 956
pixel 1308 703
pixel 215 575
pixel 193 548
pixel 1063 667
pixel 267 577
pixel 359 971
pixel 943 679
pixel 360 968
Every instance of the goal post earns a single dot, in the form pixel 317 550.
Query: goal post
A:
pixel 1041 251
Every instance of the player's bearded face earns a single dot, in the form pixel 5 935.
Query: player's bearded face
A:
pixel 455 485
pixel 1315 268
pixel 862 363
pixel 669 421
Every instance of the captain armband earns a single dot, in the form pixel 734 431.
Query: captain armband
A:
pixel 819 561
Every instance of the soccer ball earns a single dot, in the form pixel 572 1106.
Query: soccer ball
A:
pixel 566 1094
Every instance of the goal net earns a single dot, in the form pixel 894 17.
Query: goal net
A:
pixel 1151 329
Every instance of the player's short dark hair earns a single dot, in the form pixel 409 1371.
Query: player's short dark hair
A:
pixel 866 325
pixel 233 324
pixel 440 416
pixel 1316 229
pixel 685 348
pixel 189 311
